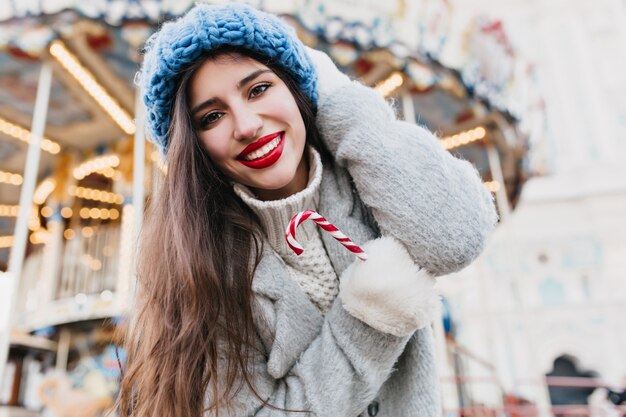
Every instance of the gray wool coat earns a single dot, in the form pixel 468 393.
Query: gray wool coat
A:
pixel 391 178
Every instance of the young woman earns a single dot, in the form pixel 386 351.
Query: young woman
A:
pixel 255 128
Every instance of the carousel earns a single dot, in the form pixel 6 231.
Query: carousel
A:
pixel 76 168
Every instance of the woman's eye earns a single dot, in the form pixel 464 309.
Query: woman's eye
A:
pixel 259 89
pixel 210 118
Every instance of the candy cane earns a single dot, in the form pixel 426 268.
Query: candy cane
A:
pixel 324 224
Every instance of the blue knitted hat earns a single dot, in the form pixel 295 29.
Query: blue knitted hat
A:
pixel 203 29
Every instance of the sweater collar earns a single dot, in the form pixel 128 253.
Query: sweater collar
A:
pixel 276 214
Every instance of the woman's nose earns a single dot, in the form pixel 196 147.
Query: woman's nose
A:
pixel 247 124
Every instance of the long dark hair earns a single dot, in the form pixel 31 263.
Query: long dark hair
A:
pixel 194 306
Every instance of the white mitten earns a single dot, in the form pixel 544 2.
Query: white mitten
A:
pixel 329 76
pixel 388 291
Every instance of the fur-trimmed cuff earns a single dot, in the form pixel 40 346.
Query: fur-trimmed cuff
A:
pixel 388 291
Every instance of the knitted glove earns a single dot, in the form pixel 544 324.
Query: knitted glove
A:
pixel 329 77
pixel 388 291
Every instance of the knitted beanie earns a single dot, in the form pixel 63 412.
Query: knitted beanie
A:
pixel 203 29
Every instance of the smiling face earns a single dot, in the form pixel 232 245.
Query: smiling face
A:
pixel 250 125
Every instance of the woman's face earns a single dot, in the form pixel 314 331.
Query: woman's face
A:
pixel 250 125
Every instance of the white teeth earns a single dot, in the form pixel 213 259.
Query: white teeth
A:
pixel 259 153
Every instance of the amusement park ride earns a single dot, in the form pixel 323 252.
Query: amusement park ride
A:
pixel 75 169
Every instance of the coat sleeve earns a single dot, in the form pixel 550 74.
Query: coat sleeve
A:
pixel 432 202
pixel 338 374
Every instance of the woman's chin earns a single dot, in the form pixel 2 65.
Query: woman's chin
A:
pixel 279 181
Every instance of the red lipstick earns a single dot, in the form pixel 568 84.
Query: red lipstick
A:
pixel 258 144
pixel 270 159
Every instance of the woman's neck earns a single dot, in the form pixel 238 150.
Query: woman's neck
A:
pixel 275 215
pixel 297 184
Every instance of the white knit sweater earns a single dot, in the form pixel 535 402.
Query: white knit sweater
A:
pixel 312 270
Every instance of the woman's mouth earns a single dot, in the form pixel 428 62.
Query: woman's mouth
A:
pixel 264 152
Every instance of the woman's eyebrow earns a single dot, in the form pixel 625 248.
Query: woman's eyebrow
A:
pixel 245 80
pixel 204 104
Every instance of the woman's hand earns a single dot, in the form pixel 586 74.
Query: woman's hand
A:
pixel 388 291
pixel 329 77
pixel 433 203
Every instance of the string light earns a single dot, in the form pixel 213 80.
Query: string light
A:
pixel 33 222
pixel 8 211
pixel 6 241
pixel 96 195
pixel 66 212
pixel 96 264
pixel 80 298
pixel 89 83
pixel 390 84
pixel 43 190
pixel 69 234
pixel 39 237
pixel 493 186
pixel 93 263
pixel 24 135
pixel 94 213
pixel 99 213
pixel 463 138
pixel 106 295
pixel 11 178
pixel 46 212
pixel 108 172
pixel 98 164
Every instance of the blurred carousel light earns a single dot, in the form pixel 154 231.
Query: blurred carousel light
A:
pixel 98 164
pixel 96 195
pixel 39 237
pixel 24 135
pixel 106 295
pixel 492 186
pixel 47 212
pixel 93 88
pixel 390 84
pixel 80 298
pixel 34 223
pixel 464 138
pixel 66 212
pixel 8 210
pixel 6 241
pixel 43 190
pixel 11 178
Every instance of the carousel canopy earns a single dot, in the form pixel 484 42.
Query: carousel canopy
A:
pixel 94 50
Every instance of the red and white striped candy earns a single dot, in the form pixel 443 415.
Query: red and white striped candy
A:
pixel 324 224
